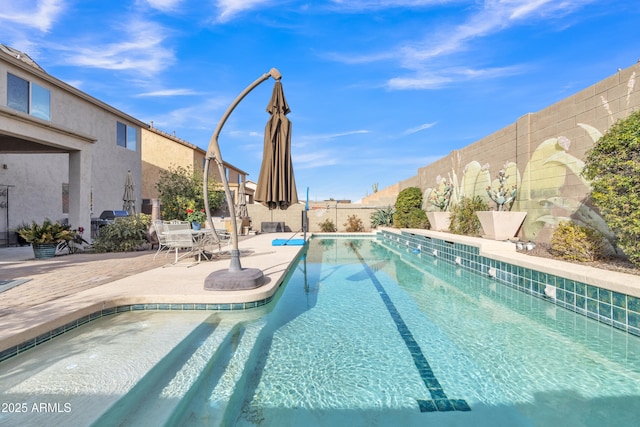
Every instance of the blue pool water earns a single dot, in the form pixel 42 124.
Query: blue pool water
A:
pixel 362 333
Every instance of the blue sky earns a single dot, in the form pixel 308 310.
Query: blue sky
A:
pixel 377 88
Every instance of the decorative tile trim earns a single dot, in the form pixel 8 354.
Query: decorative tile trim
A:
pixel 40 339
pixel 609 307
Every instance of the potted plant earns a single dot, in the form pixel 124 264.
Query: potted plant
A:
pixel 45 237
pixel 440 198
pixel 196 217
pixel 501 224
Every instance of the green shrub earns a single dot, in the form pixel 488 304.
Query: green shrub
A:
pixel 463 216
pixel 382 217
pixel 354 224
pixel 124 235
pixel 409 213
pixel 327 226
pixel 575 242
pixel 180 189
pixel 613 167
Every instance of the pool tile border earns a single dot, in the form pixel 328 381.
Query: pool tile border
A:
pixel 613 308
pixel 47 336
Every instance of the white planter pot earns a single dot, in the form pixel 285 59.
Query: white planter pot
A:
pixel 439 221
pixel 500 225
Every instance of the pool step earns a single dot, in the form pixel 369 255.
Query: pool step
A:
pixel 154 398
pixel 210 396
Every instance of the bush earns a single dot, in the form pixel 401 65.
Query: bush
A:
pixel 613 166
pixel 354 224
pixel 382 217
pixel 409 213
pixel 327 226
pixel 463 216
pixel 124 235
pixel 574 242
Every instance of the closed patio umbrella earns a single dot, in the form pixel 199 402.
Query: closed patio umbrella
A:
pixel 129 197
pixel 276 184
pixel 241 209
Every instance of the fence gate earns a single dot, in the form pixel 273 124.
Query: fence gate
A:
pixel 4 215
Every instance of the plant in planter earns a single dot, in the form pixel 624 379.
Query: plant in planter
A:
pixel 440 198
pixel 44 238
pixel 501 224
pixel 196 217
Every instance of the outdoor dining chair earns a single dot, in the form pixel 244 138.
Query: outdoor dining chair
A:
pixel 180 239
pixel 163 246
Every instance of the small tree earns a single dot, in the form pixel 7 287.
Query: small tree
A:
pixel 613 167
pixel 181 189
pixel 409 213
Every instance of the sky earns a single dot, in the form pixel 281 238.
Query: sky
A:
pixel 377 88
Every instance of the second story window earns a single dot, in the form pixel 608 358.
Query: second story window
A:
pixel 126 136
pixel 28 97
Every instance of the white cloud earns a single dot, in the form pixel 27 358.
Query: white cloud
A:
pixel 228 9
pixel 167 92
pixel 419 128
pixel 40 14
pixel 165 5
pixel 368 5
pixel 307 139
pixel 423 56
pixel 198 116
pixel 143 50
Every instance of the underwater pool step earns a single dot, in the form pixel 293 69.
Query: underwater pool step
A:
pixel 163 387
pixel 208 403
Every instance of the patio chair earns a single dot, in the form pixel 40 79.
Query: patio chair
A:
pixel 158 226
pixel 181 240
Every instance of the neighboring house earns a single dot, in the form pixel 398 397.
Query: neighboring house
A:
pixel 161 151
pixel 64 155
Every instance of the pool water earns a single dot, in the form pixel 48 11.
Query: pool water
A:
pixel 362 333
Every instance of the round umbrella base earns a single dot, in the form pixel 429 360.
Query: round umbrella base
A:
pixel 225 280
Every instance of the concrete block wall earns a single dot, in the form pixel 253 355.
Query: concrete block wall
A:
pixel 544 152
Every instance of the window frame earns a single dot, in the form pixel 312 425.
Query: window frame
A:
pixel 29 98
pixel 126 136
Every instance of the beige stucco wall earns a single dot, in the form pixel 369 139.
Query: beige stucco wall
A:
pixel 76 146
pixel 161 151
pixel 543 153
pixel 319 212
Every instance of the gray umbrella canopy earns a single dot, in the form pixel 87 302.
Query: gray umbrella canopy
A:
pixel 129 197
pixel 276 184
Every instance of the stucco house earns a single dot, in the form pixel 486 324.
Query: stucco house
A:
pixel 63 153
pixel 161 151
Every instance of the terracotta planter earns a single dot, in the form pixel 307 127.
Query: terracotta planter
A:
pixel 500 225
pixel 439 221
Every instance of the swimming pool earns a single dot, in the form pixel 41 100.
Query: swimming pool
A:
pixel 362 333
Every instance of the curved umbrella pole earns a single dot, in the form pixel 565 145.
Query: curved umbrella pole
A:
pixel 213 152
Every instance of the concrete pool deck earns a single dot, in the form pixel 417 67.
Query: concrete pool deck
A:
pixel 52 293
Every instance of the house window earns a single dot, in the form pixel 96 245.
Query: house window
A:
pixel 126 136
pixel 28 97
